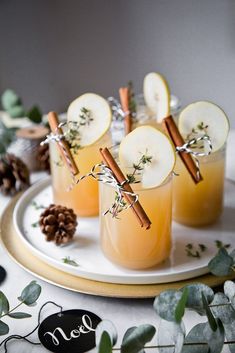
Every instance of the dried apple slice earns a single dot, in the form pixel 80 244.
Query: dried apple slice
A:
pixel 93 114
pixel 205 117
pixel 157 95
pixel 156 147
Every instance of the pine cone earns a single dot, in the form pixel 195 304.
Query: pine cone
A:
pixel 14 174
pixel 58 223
pixel 43 157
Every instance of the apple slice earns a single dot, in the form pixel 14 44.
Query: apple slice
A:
pixel 93 114
pixel 157 95
pixel 147 140
pixel 205 117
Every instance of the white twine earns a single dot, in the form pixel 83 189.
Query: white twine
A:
pixel 58 138
pixel 193 142
pixel 106 176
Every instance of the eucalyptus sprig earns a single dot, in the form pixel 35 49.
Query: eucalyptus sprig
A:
pixel 223 264
pixel 29 296
pixel 7 135
pixel 13 105
pixel 170 306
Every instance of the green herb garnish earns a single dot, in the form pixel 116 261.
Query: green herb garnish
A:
pixel 67 260
pixel 193 251
pixel 145 159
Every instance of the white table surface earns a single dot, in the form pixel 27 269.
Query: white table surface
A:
pixel 122 312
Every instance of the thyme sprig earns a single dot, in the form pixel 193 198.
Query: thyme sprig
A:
pixel 144 160
pixel 72 135
pixel 35 224
pixel 118 206
pixel 219 244
pixel 85 117
pixel 132 102
pixel 67 260
pixel 195 251
pixel 198 130
pixel 119 203
pixel 37 206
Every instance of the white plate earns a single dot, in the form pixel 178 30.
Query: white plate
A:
pixel 85 249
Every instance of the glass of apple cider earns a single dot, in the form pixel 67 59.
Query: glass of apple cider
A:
pixel 83 197
pixel 199 204
pixel 146 158
pixel 87 130
pixel 124 242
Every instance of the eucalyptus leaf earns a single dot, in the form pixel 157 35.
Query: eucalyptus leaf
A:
pixel 10 99
pixel 196 336
pixel 136 339
pixel 30 293
pixel 4 328
pixel 170 333
pixel 7 135
pixel 194 298
pixel 2 148
pixel 166 303
pixel 221 264
pixel 105 344
pixel 106 326
pixel 128 332
pixel 229 289
pixel 4 304
pixel 17 111
pixel 232 254
pixel 211 320
pixel 222 310
pixel 35 114
pixel 215 339
pixel 19 315
pixel 180 308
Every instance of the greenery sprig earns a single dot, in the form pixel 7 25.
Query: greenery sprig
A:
pixel 131 100
pixel 13 105
pixel 72 135
pixel 198 130
pixel 28 297
pixel 119 203
pixel 37 206
pixel 138 167
pixel 193 251
pixel 85 117
pixel 170 306
pixel 67 260
pixel 7 135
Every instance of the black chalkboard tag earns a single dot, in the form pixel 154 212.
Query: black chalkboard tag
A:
pixel 2 274
pixel 70 331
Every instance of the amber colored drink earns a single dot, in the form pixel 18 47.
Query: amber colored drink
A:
pixel 124 242
pixel 82 198
pixel 199 204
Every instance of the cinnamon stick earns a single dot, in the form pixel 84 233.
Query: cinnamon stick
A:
pixel 136 206
pixel 124 98
pixel 63 145
pixel 172 130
